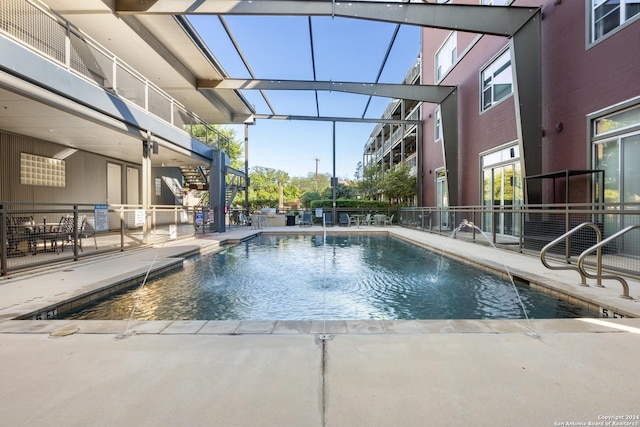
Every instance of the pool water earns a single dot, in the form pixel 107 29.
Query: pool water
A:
pixel 299 277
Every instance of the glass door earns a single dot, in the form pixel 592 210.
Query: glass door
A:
pixel 501 193
pixel 442 199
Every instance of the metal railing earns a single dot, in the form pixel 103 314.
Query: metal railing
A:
pixel 39 234
pixel 566 240
pixel 528 228
pixel 598 248
pixel 51 36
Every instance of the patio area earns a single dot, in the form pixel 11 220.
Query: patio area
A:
pixel 336 373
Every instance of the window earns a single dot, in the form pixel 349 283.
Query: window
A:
pixel 607 15
pixel 158 182
pixel 446 56
pixel 617 154
pixel 497 81
pixel 44 171
pixel 438 125
pixel 616 122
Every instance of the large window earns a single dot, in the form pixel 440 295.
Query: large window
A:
pixel 446 56
pixel 496 80
pixel 607 15
pixel 618 154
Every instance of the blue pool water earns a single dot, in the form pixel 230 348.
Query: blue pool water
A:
pixel 285 277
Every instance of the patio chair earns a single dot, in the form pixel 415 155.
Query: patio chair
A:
pixel 306 219
pixel 87 230
pixel 367 220
pixel 389 220
pixel 19 229
pixel 344 220
pixel 59 235
pixel 328 219
pixel 379 219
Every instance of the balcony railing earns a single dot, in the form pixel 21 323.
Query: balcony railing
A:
pixel 51 36
pixel 413 72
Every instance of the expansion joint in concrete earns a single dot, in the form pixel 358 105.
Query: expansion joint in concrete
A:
pixel 322 340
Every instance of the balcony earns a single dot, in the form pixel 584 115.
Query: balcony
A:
pixel 57 40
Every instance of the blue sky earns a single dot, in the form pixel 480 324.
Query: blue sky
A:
pixel 279 48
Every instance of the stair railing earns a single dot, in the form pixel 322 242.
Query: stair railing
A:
pixel 565 236
pixel 598 247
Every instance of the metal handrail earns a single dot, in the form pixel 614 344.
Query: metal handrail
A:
pixel 598 246
pixel 565 236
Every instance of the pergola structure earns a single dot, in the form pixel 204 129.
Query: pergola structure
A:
pixel 522 25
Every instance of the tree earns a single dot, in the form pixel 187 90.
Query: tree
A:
pixel 371 183
pixel 309 197
pixel 312 182
pixel 342 192
pixel 221 138
pixel 399 185
pixel 265 186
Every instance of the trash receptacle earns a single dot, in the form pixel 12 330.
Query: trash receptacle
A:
pixel 291 220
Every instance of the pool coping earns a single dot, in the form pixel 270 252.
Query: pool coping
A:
pixel 123 328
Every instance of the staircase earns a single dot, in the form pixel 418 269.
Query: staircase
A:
pixel 238 182
pixel 197 178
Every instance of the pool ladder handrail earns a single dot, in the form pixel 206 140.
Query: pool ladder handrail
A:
pixel 579 268
pixel 598 246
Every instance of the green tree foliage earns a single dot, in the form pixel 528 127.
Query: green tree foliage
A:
pixel 265 184
pixel 342 192
pixel 309 197
pixel 223 139
pixel 398 185
pixel 371 183
pixel 312 183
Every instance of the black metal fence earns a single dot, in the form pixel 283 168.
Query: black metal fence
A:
pixel 34 235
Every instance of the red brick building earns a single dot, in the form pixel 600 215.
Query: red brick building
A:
pixel 590 95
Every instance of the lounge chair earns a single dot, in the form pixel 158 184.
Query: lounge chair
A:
pixel 344 220
pixel 389 220
pixel 328 219
pixel 306 219
pixel 367 220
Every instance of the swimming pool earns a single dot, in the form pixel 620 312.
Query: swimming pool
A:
pixel 299 277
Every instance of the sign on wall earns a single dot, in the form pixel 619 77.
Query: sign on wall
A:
pixel 101 217
pixel 140 217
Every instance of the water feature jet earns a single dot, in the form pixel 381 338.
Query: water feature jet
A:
pixel 468 224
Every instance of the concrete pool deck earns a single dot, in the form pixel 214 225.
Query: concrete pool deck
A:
pixel 335 373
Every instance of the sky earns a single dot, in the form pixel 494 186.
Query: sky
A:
pixel 279 48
